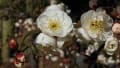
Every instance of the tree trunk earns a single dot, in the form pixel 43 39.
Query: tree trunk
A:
pixel 6 30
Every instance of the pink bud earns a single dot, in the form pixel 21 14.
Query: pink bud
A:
pixel 20 57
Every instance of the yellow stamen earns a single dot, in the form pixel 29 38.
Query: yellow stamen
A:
pixel 54 25
pixel 97 26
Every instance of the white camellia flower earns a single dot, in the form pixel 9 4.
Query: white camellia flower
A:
pixel 45 40
pixel 54 22
pixel 97 24
pixel 111 45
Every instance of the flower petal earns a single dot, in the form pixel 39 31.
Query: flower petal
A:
pixel 84 34
pixel 60 42
pixel 45 40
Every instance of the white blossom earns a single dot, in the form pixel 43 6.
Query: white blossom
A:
pixel 97 24
pixel 54 22
pixel 111 45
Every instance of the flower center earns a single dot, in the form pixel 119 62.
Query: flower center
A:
pixel 111 46
pixel 97 26
pixel 54 25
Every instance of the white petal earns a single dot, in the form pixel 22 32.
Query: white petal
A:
pixel 61 52
pixel 28 21
pixel 53 7
pixel 84 34
pixel 60 42
pixel 45 40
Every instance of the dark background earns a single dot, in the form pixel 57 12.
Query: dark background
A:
pixel 80 6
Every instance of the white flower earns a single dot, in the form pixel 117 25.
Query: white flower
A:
pixel 45 40
pixel 101 58
pixel 28 21
pixel 97 24
pixel 92 48
pixel 54 22
pixel 111 45
pixel 110 60
pixel 54 58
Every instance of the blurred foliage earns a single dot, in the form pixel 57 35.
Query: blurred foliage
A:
pixel 22 8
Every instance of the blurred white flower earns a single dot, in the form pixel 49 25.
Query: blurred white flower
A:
pixel 54 58
pixel 54 22
pixel 97 24
pixel 28 21
pixel 102 59
pixel 91 48
pixel 28 24
pixel 45 40
pixel 110 60
pixel 17 24
pixel 111 45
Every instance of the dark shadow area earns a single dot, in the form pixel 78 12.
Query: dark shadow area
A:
pixel 80 6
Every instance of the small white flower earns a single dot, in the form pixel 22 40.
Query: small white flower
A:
pixel 54 58
pixel 54 22
pixel 101 58
pixel 118 61
pixel 111 45
pixel 28 21
pixel 90 50
pixel 97 24
pixel 110 60
pixel 17 24
pixel 45 40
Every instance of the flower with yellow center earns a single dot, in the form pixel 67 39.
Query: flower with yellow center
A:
pixel 97 24
pixel 54 25
pixel 111 45
pixel 55 22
